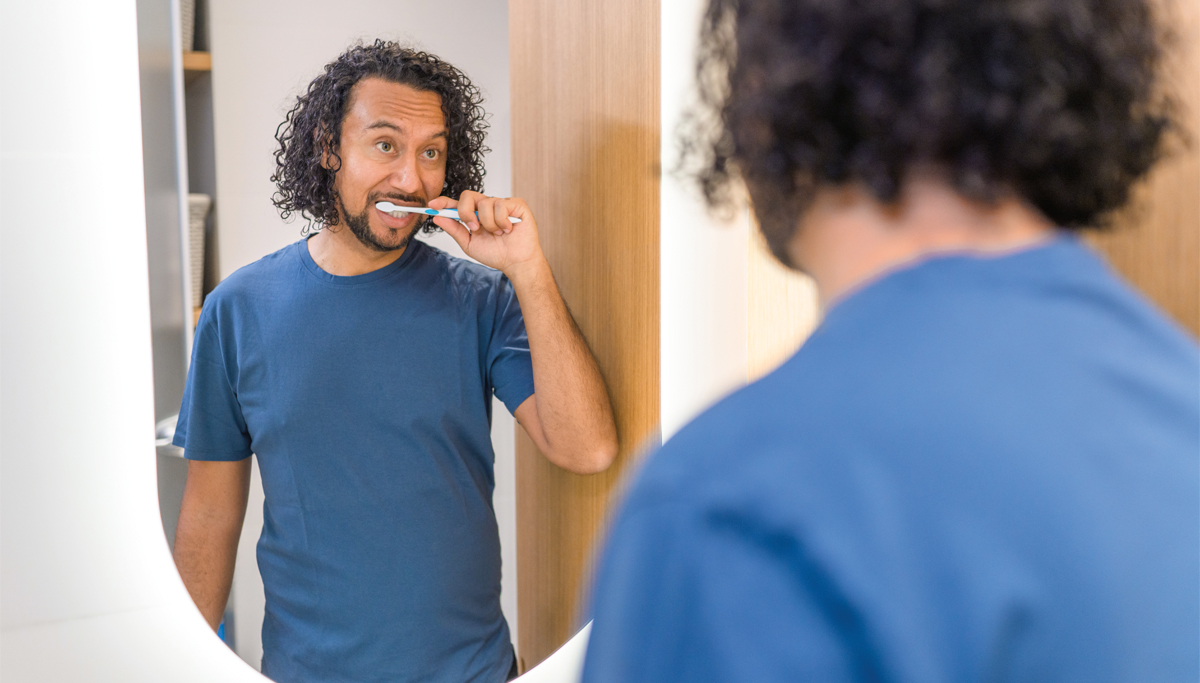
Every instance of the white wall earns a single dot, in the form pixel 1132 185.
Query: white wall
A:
pixel 265 52
pixel 703 334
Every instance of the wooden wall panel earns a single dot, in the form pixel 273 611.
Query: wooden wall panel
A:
pixel 585 103
pixel 1157 241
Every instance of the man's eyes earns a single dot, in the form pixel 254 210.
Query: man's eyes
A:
pixel 387 148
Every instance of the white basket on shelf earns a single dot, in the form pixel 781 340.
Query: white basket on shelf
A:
pixel 198 206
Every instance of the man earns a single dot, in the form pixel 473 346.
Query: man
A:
pixel 359 366
pixel 982 466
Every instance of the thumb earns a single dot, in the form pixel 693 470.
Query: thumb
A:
pixel 455 230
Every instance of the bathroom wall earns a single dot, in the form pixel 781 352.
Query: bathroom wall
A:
pixel 264 53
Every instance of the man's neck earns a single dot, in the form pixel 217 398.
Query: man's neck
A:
pixel 339 252
pixel 849 238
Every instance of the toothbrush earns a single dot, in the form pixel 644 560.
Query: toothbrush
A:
pixel 388 207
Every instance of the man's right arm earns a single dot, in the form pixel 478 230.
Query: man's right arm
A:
pixel 206 538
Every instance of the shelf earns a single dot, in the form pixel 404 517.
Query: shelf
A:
pixel 197 61
pixel 195 65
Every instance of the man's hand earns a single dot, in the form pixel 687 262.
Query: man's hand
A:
pixel 490 237
pixel 569 416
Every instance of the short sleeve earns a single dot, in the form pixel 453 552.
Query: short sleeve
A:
pixel 211 425
pixel 679 598
pixel 510 369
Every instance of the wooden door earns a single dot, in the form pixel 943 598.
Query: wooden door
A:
pixel 585 103
pixel 1156 244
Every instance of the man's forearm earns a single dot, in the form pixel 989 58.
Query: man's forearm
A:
pixel 206 537
pixel 572 404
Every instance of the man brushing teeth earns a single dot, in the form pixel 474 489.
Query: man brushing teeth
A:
pixel 359 366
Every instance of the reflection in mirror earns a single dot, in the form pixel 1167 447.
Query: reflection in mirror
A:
pixel 336 481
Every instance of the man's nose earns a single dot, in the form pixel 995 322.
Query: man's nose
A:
pixel 406 175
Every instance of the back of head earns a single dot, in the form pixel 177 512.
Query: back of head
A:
pixel 1054 102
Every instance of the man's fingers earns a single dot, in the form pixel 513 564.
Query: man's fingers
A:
pixel 452 227
pixel 455 230
pixel 517 208
pixel 500 213
pixel 483 209
pixel 520 209
pixel 466 208
pixel 481 212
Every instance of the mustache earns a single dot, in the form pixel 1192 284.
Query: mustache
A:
pixel 397 197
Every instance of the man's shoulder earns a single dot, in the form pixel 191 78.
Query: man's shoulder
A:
pixel 761 430
pixel 931 365
pixel 468 283
pixel 457 269
pixel 252 287
pixel 257 275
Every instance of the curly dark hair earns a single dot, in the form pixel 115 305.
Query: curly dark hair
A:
pixel 314 125
pixel 1053 101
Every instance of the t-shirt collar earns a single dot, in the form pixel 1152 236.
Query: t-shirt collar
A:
pixel 414 245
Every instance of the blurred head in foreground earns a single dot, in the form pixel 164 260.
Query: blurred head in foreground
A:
pixel 983 463
pixel 1053 103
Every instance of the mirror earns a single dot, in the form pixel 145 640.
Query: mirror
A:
pixel 208 142
pixel 86 570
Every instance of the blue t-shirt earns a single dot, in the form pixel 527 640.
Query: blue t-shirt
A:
pixel 367 401
pixel 976 469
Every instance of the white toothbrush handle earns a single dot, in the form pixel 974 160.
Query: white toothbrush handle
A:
pixel 455 216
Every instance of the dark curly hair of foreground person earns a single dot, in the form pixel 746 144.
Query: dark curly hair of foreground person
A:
pixel 1053 101
pixel 315 123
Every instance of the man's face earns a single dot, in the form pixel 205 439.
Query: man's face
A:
pixel 393 148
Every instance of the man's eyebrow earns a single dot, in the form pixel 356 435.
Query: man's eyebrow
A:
pixel 392 126
pixel 385 124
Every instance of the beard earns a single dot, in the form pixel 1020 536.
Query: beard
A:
pixel 360 226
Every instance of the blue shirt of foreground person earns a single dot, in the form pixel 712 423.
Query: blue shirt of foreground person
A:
pixel 359 366
pixel 982 466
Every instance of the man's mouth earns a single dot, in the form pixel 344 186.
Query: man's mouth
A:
pixel 397 221
pixel 393 218
pixel 378 202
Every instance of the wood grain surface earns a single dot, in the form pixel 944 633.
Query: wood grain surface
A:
pixel 585 107
pixel 1156 243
